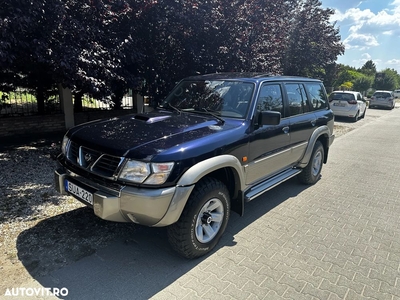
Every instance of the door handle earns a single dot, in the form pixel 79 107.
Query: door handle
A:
pixel 285 129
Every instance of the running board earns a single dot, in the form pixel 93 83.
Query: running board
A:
pixel 270 183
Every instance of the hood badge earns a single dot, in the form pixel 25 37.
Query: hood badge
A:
pixel 85 158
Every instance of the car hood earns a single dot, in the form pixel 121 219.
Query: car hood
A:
pixel 142 136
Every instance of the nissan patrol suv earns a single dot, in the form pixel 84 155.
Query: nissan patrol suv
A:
pixel 216 142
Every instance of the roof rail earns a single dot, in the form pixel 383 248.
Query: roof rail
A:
pixel 258 75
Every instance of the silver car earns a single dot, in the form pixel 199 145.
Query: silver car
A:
pixel 348 104
pixel 383 99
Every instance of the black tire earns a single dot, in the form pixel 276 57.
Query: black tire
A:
pixel 365 111
pixel 355 118
pixel 311 173
pixel 188 236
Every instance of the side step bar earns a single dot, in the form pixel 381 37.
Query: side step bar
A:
pixel 270 183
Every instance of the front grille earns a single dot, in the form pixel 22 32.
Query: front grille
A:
pixel 93 161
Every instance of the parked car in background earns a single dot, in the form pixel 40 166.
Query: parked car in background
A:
pixel 396 93
pixel 382 99
pixel 348 104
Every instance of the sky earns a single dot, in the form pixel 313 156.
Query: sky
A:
pixel 370 30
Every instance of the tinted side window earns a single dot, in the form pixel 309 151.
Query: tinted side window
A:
pixel 270 98
pixel 297 97
pixel 318 95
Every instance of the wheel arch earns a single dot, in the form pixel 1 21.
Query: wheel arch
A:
pixel 322 134
pixel 227 169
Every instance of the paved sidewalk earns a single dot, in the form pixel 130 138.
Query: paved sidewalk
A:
pixel 338 239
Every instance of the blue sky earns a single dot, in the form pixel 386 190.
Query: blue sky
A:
pixel 370 30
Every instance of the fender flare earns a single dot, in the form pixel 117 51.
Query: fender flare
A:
pixel 186 183
pixel 320 131
pixel 201 169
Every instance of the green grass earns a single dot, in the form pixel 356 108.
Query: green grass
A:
pixel 24 97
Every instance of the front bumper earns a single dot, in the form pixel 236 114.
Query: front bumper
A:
pixel 149 207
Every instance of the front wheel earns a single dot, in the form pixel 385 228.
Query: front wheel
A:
pixel 311 173
pixel 203 220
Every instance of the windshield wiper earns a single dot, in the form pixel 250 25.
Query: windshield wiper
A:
pixel 171 106
pixel 214 115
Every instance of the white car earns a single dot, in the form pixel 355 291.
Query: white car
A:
pixel 348 104
pixel 385 99
pixel 396 93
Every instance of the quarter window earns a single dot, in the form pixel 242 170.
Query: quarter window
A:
pixel 318 96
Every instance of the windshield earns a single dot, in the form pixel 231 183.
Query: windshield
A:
pixel 222 97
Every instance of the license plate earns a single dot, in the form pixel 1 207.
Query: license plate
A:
pixel 79 192
pixel 339 104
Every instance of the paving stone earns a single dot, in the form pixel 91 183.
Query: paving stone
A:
pixel 332 240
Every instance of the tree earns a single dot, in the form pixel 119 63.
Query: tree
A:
pixel 386 80
pixel 182 38
pixel 369 68
pixel 85 45
pixel 313 41
pixel 330 75
pixel 362 83
pixel 105 46
pixel 26 29
pixel 257 35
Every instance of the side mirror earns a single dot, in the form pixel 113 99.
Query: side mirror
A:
pixel 269 118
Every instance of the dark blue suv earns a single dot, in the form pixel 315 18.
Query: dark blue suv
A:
pixel 216 142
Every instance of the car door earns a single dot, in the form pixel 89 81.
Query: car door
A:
pixel 302 120
pixel 362 105
pixel 269 145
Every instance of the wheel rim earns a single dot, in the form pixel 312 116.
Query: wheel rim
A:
pixel 209 220
pixel 317 163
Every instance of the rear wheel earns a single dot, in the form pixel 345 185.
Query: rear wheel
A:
pixel 311 173
pixel 203 220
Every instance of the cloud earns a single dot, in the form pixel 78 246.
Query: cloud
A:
pixel 364 58
pixel 366 27
pixel 394 63
pixel 360 41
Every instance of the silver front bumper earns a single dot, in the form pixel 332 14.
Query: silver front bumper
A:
pixel 150 207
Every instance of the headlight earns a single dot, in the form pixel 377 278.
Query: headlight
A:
pixel 148 173
pixel 64 145
pixel 160 173
pixel 135 171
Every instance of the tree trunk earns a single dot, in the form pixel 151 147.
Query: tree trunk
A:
pixel 78 107
pixel 117 98
pixel 40 98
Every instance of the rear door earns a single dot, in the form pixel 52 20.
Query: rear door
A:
pixel 302 120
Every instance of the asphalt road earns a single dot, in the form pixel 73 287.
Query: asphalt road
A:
pixel 337 239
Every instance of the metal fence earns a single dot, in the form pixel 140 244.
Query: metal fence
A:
pixel 22 102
